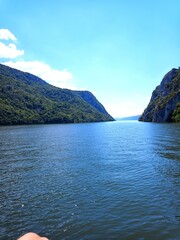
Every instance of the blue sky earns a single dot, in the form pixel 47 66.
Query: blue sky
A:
pixel 117 49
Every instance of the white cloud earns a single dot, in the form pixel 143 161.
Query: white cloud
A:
pixel 7 35
pixel 9 51
pixel 59 78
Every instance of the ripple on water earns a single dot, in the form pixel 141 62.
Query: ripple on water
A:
pixel 90 181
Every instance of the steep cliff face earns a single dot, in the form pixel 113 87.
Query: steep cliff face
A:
pixel 164 105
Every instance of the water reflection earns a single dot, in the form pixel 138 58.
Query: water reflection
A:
pixel 170 145
pixel 164 141
pixel 168 149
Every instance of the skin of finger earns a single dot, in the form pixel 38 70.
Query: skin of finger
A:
pixel 32 236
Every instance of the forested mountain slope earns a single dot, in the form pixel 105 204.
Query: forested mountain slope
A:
pixel 27 99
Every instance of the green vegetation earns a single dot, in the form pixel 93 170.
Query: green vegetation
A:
pixel 27 99
pixel 176 114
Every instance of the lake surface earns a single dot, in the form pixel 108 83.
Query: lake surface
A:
pixel 114 180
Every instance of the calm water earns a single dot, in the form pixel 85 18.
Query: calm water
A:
pixel 116 180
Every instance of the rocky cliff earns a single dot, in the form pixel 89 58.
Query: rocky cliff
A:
pixel 164 105
pixel 27 99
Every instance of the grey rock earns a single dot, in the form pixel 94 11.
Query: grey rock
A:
pixel 164 99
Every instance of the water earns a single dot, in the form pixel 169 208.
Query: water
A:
pixel 115 180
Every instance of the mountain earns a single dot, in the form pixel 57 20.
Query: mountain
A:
pixel 164 105
pixel 27 99
pixel 131 118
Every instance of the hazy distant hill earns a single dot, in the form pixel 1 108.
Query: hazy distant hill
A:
pixel 27 99
pixel 164 105
pixel 129 118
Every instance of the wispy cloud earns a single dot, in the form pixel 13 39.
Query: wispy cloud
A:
pixel 10 51
pixel 59 78
pixel 7 35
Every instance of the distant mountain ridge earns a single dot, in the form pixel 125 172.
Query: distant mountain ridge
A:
pixel 164 105
pixel 27 99
pixel 130 118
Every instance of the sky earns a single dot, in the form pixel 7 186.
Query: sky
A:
pixel 117 49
